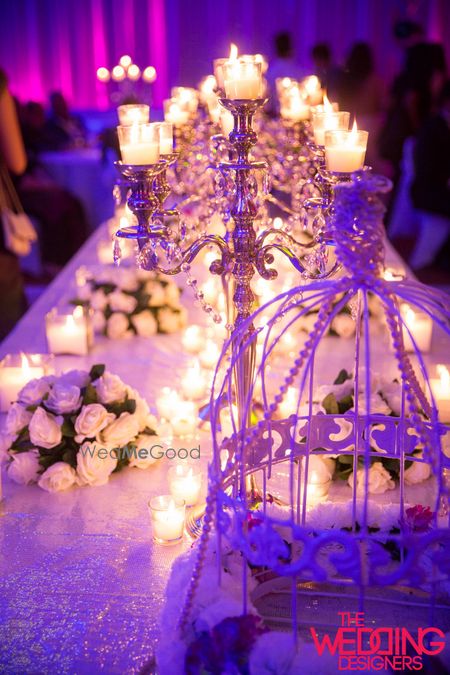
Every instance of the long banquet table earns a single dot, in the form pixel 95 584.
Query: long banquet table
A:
pixel 81 582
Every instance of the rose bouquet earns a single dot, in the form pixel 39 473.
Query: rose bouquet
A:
pixel 130 302
pixel 77 429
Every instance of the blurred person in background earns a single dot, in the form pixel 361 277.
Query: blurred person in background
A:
pixel 14 160
pixel 64 128
pixel 323 67
pixel 283 65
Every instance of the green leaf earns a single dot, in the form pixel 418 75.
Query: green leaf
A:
pixel 342 377
pixel 330 404
pixel 67 429
pixel 345 404
pixel 97 371
pixel 70 457
pixel 106 288
pixel 90 395
pixel 148 432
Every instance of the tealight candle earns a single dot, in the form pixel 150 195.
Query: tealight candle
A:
pixel 242 79
pixel 194 338
pixel 69 331
pixel 207 87
pixel 210 354
pixel 345 151
pixel 167 516
pixel 165 138
pixel 312 87
pixel 421 327
pixel 184 419
pixel 440 387
pixel 139 143
pixel 185 483
pixel 133 114
pixel 186 96
pixel 293 106
pixel 175 113
pixel 193 384
pixel 167 402
pixel 328 121
pixel 16 370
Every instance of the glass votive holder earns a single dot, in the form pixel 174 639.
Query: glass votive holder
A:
pixel 165 138
pixel 328 121
pixel 133 114
pixel 69 330
pixel 345 151
pixel 207 88
pixel 242 79
pixel 313 89
pixel 175 112
pixel 139 143
pixel 185 482
pixel 16 370
pixel 167 516
pixel 218 71
pixel 295 109
pixel 186 96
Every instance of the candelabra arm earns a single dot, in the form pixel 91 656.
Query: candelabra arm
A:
pixel 218 266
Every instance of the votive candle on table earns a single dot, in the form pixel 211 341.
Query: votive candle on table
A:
pixel 328 121
pixel 313 89
pixel 175 112
pixel 293 106
pixel 193 384
pixel 167 516
pixel 167 402
pixel 420 325
pixel 345 151
pixel 133 114
pixel 16 370
pixel 165 138
pixel 139 143
pixel 209 356
pixel 186 96
pixel 69 331
pixel 194 338
pixel 440 386
pixel 185 483
pixel 242 80
pixel 184 419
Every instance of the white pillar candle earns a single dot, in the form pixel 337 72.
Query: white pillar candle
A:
pixel 242 79
pixel 167 516
pixel 185 483
pixel 421 327
pixel 16 370
pixel 345 151
pixel 68 333
pixel 440 386
pixel 139 143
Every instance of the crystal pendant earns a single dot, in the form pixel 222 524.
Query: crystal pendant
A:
pixel 147 258
pixel 117 251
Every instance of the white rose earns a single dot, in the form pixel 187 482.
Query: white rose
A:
pixel 172 295
pixel 120 432
pixel 45 429
pixel 379 480
pixel 145 442
pixel 93 469
pixel 340 391
pixel 392 392
pixel 117 326
pixel 59 476
pixel 24 467
pixel 128 280
pixel 142 411
pixel 344 325
pixel 110 388
pixel 376 405
pixel 417 472
pixel 77 378
pixel 91 420
pixel 99 322
pixel 121 302
pixel 34 391
pixel 169 321
pixel 64 398
pixel 99 300
pixel 145 323
pixel 156 292
pixel 6 441
pixel 17 418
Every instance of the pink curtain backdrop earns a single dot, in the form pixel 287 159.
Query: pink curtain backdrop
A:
pixel 51 45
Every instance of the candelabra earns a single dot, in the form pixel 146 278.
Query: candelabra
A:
pixel 242 253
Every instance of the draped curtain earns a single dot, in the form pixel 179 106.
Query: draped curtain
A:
pixel 50 45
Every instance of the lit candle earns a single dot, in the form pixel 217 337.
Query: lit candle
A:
pixel 68 333
pixel 242 79
pixel 294 107
pixel 226 122
pixel 187 97
pixel 210 354
pixel 311 86
pixel 421 327
pixel 175 113
pixel 165 138
pixel 167 516
pixel 345 150
pixel 207 88
pixel 392 274
pixel 133 114
pixel 440 387
pixel 326 106
pixel 185 483
pixel 139 143
pixel 184 419
pixel 167 402
pixel 289 404
pixel 219 63
pixel 194 338
pixel 193 384
pixel 16 370
pixel 328 121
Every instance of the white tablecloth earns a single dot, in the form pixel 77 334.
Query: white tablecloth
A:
pixel 81 581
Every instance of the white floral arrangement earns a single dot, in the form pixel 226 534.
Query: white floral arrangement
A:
pixel 343 324
pixel 131 302
pixel 77 429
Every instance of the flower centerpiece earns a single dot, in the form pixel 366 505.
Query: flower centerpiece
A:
pixel 130 302
pixel 77 429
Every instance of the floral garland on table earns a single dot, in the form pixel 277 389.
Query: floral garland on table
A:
pixel 132 302
pixel 77 429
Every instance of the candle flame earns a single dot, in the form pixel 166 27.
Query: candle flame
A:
pixel 327 106
pixel 233 52
pixel 408 314
pixel 311 84
pixel 78 312
pixel 24 363
pixel 444 375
